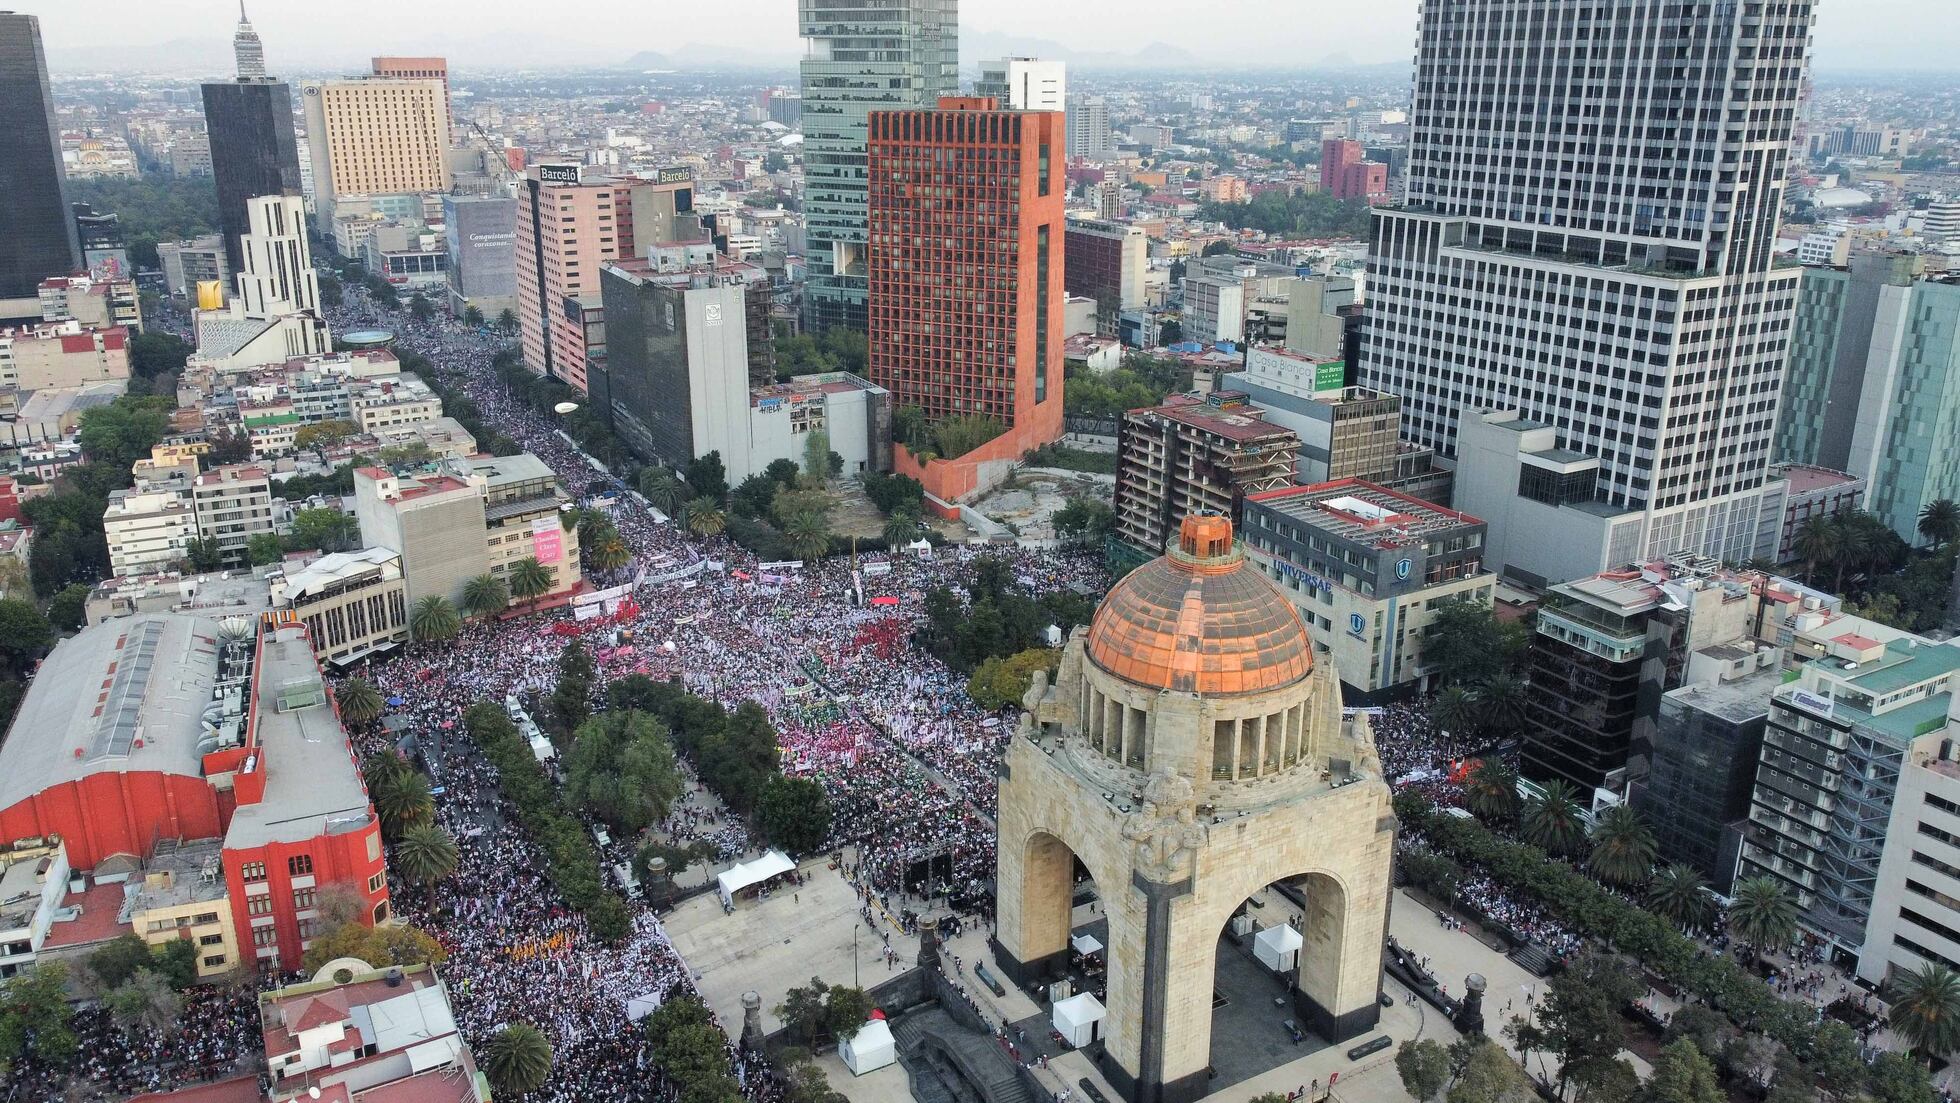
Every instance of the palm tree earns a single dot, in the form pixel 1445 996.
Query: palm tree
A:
pixel 529 579
pixel 360 702
pixel 1501 697
pixel 507 320
pixel 660 488
pixel 1554 822
pixel 379 767
pixel 1762 914
pixel 434 619
pixel 425 854
pixel 473 316
pixel 1622 847
pixel 704 517
pixel 1818 542
pixel 1456 710
pixel 610 553
pixel 1939 522
pixel 517 1059
pixel 402 801
pixel 1678 894
pixel 484 595
pixel 899 529
pixel 1926 1009
pixel 1491 790
pixel 807 536
pixel 1856 546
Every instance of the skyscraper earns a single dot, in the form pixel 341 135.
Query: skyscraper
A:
pixel 247 48
pixel 1089 131
pixel 378 136
pixel 1024 83
pixel 568 228
pixel 967 226
pixel 1592 198
pixel 249 122
pixel 1873 384
pixel 418 68
pixel 859 58
pixel 37 234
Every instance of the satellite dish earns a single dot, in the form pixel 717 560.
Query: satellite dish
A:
pixel 565 407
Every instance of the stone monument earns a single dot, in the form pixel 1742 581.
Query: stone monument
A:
pixel 1190 752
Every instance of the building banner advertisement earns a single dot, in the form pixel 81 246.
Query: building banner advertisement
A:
pixel 548 539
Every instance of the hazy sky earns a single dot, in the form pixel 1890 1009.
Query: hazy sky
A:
pixel 1850 33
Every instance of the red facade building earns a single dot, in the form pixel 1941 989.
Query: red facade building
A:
pixel 170 727
pixel 965 264
pixel 1345 172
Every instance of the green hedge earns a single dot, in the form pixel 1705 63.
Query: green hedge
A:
pixel 572 861
pixel 1581 904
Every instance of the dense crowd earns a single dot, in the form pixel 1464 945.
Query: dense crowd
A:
pixel 908 760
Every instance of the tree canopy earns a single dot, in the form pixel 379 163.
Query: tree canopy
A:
pixel 621 769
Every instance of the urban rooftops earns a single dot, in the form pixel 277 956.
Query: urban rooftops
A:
pixel 1364 513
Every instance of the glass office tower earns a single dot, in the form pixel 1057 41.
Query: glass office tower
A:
pixel 37 233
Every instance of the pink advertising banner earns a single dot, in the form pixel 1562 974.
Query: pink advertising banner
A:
pixel 547 539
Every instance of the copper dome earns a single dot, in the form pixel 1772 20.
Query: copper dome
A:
pixel 1200 621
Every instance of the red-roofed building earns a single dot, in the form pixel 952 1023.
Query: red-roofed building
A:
pixel 387 1036
pixel 242 1089
pixel 62 354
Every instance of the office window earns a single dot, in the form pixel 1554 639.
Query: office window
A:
pixel 252 871
pixel 299 864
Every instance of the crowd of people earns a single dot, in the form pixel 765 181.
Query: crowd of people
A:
pixel 908 760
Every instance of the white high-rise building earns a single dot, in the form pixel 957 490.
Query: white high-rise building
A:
pixel 1024 83
pixel 278 276
pixel 247 49
pixel 1593 195
pixel 1089 132
pixel 274 314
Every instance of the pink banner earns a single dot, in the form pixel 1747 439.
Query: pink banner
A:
pixel 547 539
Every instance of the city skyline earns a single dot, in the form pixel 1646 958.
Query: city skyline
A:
pixel 1901 35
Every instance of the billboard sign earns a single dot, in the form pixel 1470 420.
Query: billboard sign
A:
pixel 557 174
pixel 1821 705
pixel 548 539
pixel 675 175
pixel 1329 377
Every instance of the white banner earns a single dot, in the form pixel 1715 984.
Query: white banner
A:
pixel 781 564
pixel 587 612
pixel 688 571
pixel 611 595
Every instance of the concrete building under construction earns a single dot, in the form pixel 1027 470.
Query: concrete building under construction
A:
pixel 1195 455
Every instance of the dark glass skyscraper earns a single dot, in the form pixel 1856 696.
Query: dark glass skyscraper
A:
pixel 37 233
pixel 253 150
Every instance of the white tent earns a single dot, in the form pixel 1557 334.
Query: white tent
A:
pixel 1085 944
pixel 1075 1018
pixel 870 1049
pixel 642 1005
pixel 742 876
pixel 542 748
pixel 1275 947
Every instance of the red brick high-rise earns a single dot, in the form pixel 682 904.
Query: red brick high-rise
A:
pixel 966 253
pixel 1346 174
